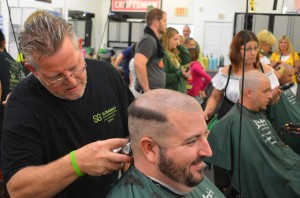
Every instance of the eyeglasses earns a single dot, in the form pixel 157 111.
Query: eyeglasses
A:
pixel 249 49
pixel 62 80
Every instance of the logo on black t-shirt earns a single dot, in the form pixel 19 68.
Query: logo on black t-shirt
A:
pixel 106 115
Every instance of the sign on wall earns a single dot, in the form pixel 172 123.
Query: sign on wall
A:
pixel 180 11
pixel 134 5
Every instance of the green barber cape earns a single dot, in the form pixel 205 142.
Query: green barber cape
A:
pixel 268 168
pixel 286 110
pixel 134 184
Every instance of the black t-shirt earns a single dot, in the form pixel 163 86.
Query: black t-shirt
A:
pixel 39 128
pixel 11 73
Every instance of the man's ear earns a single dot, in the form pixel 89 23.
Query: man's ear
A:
pixel 30 67
pixel 149 148
pixel 156 23
pixel 248 93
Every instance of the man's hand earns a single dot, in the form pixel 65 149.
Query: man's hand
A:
pixel 5 101
pixel 276 92
pixel 140 64
pixel 97 158
pixel 202 94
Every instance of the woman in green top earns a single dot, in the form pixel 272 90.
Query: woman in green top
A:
pixel 176 58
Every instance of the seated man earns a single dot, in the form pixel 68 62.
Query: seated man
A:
pixel 286 110
pixel 266 167
pixel 168 140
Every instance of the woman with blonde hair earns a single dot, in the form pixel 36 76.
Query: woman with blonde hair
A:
pixel 266 41
pixel 176 57
pixel 285 53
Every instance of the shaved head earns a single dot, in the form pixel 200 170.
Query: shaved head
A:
pixel 252 80
pixel 186 31
pixel 149 114
pixel 257 91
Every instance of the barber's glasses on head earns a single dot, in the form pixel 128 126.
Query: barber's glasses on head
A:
pixel 62 80
pixel 249 49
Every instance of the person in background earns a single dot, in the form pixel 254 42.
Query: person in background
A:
pixel 286 110
pixel 181 39
pixel 175 59
pixel 149 53
pixel 226 81
pixel 192 43
pixel 257 161
pixel 125 56
pixel 62 122
pixel 132 75
pixel 11 74
pixel 199 80
pixel 266 41
pixel 168 153
pixel 186 31
pixel 285 53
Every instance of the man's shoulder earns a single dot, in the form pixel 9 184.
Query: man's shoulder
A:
pixel 207 189
pixel 127 51
pixel 147 38
pixel 147 46
pixel 231 115
pixel 131 184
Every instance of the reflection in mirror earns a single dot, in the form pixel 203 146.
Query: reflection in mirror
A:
pixel 278 24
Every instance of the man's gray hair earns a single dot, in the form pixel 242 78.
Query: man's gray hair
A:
pixel 42 35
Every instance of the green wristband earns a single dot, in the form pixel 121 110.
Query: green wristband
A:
pixel 75 165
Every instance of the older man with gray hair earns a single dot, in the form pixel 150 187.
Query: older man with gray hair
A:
pixel 62 122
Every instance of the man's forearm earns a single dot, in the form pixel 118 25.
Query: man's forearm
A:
pixel 42 181
pixel 141 73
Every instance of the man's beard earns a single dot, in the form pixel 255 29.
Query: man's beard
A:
pixel 179 174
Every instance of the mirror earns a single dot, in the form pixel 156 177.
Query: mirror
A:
pixel 278 24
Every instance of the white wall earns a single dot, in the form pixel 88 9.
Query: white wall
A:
pixel 199 12
pixel 204 13
pixel 100 8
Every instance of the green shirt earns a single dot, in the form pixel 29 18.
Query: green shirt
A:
pixel 174 77
pixel 135 184
pixel 268 168
pixel 286 110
